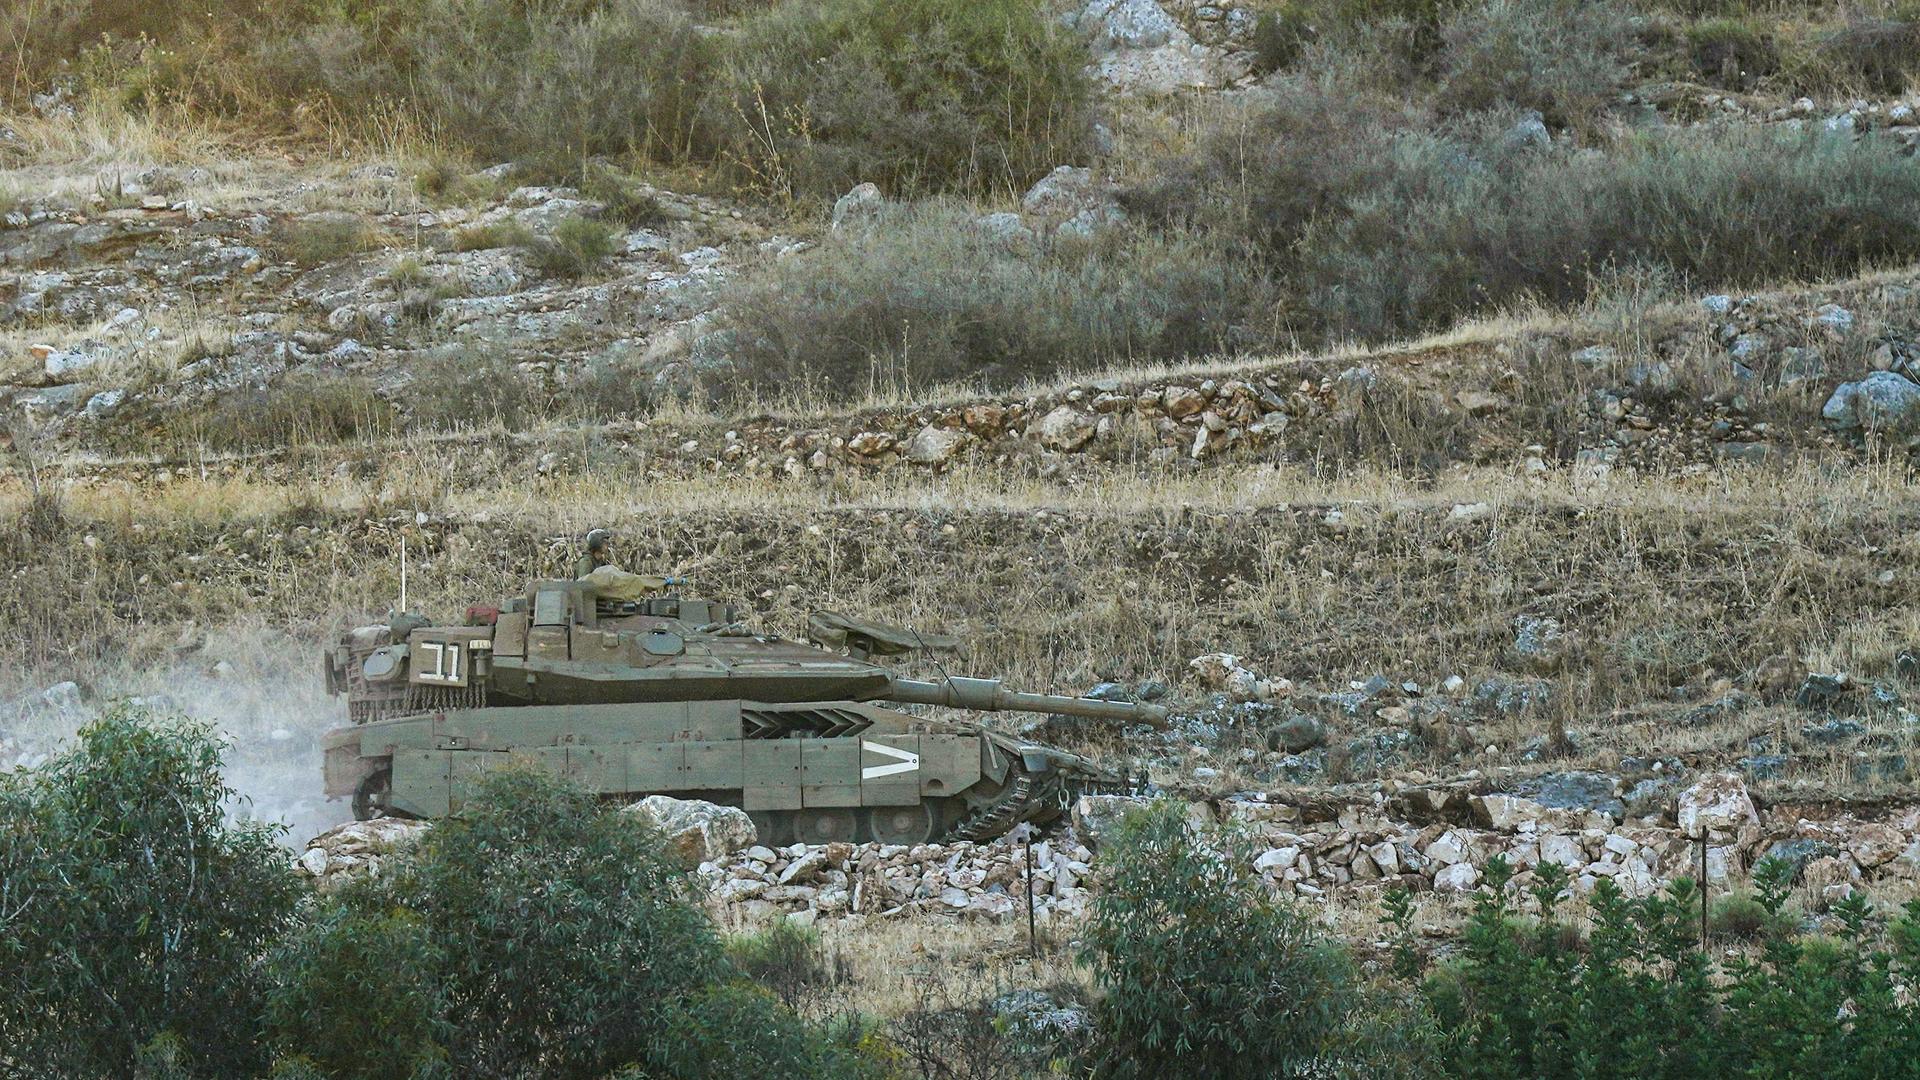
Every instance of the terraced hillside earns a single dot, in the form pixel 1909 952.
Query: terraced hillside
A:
pixel 1433 406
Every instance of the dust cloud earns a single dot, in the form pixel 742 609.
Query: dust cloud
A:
pixel 262 688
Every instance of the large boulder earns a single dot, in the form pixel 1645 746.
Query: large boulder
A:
pixel 1717 807
pixel 1873 844
pixel 857 207
pixel 1065 428
pixel 935 445
pixel 698 831
pixel 1540 642
pixel 1128 24
pixel 1591 791
pixel 1883 404
pixel 1097 817
pixel 1071 194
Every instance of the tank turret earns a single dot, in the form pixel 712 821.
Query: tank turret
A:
pixel 632 692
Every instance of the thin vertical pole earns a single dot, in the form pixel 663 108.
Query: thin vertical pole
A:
pixel 1703 892
pixel 1033 941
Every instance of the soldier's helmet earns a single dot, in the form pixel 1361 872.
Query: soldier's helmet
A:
pixel 598 538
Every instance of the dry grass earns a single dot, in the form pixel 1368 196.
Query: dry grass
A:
pixel 1671 580
pixel 895 966
pixel 68 159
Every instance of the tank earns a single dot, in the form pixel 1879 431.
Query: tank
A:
pixel 632 692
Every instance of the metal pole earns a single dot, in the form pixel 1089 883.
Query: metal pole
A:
pixel 1703 892
pixel 1033 942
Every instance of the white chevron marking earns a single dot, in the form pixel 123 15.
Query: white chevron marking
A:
pixel 908 761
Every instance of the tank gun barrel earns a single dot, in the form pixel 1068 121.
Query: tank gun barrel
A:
pixel 987 695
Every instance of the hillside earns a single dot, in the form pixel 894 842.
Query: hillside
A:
pixel 1514 400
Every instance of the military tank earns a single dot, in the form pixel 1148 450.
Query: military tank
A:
pixel 632 690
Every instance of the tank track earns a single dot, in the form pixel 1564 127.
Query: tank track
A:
pixel 1040 798
pixel 996 817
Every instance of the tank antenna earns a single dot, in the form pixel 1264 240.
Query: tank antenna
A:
pixel 403 573
pixel 929 653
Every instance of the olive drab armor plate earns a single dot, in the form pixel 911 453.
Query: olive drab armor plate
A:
pixel 631 693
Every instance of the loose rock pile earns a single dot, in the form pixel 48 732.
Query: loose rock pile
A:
pixel 861 881
pixel 1441 838
pixel 355 850
pixel 1435 838
pixel 698 831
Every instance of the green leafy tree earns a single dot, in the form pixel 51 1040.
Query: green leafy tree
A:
pixel 133 915
pixel 535 933
pixel 1204 973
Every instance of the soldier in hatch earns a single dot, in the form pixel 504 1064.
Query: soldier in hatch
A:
pixel 599 553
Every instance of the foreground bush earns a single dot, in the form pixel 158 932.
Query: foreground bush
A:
pixel 1203 973
pixel 1634 996
pixel 535 933
pixel 132 916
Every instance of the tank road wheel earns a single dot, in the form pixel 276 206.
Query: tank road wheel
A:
pixel 370 798
pixel 906 825
pixel 824 825
pixel 774 827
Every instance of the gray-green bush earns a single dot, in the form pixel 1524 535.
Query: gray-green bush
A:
pixel 928 296
pixel 547 82
pixel 1398 229
pixel 801 98
pixel 919 96
pixel 1566 58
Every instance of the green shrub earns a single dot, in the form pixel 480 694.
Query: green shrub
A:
pixel 625 201
pixel 1521 1003
pixel 732 1030
pixel 927 296
pixel 358 942
pixel 407 274
pixel 535 932
pixel 1565 58
pixel 1640 999
pixel 1872 55
pixel 917 96
pixel 451 183
pixel 557 935
pixel 577 247
pixel 136 915
pixel 1744 917
pixel 488 237
pixel 784 958
pixel 1395 229
pixel 1733 51
pixel 1280 33
pixel 1202 973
